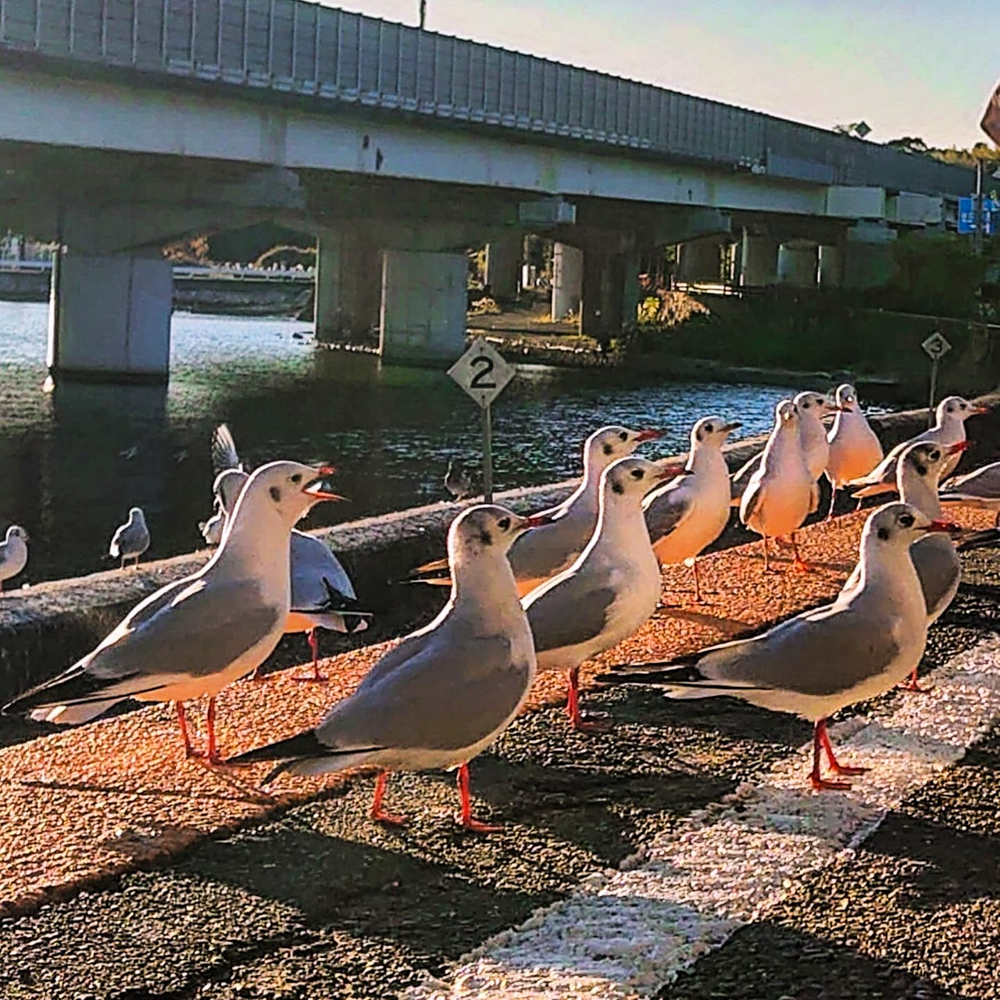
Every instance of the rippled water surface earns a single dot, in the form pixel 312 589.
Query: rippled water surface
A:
pixel 73 460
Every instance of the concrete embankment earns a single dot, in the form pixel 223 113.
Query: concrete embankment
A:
pixel 47 627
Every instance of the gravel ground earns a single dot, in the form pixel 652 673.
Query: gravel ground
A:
pixel 317 903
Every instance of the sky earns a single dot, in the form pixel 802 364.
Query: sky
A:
pixel 906 67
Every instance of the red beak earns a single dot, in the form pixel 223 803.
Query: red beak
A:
pixel 649 434
pixel 948 527
pixel 536 521
pixel 959 446
pixel 981 409
pixel 669 471
pixel 315 487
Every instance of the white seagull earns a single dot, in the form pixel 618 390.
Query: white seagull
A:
pixel 130 539
pixel 195 636
pixel 948 429
pixel 979 488
pixel 860 646
pixel 854 448
pixel 689 513
pixel 779 495
pixel 611 589
pixel 447 691
pixel 541 554
pixel 13 553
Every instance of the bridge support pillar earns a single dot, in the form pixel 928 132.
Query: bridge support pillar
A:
pixel 348 287
pixel 831 266
pixel 424 304
pixel 868 255
pixel 503 265
pixel 567 280
pixel 797 264
pixel 758 260
pixel 701 261
pixel 109 317
pixel 610 295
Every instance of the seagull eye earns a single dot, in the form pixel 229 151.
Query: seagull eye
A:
pixel 503 523
pixel 623 436
pixel 638 473
pixel 709 428
pixel 297 478
pixel 906 520
pixel 934 456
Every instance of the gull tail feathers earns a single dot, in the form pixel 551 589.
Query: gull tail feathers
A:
pixel 305 754
pixel 434 574
pixel 979 540
pixel 680 678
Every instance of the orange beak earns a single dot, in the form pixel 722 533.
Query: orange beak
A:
pixel 981 409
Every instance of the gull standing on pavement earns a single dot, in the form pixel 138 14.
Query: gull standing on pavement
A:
pixel 948 429
pixel 860 646
pixel 611 589
pixel 447 691
pixel 539 555
pixel 322 593
pixel 689 513
pixel 935 557
pixel 196 635
pixel 778 497
pixel 130 539
pixel 979 488
pixel 854 448
pixel 13 553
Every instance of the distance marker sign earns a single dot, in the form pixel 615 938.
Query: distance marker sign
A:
pixel 482 372
pixel 936 346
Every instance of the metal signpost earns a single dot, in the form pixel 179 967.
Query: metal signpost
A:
pixel 935 347
pixel 483 374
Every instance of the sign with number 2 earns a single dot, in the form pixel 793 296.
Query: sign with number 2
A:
pixel 482 372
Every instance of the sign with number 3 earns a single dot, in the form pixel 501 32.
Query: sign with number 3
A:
pixel 482 372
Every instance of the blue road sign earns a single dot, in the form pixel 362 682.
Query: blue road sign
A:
pixel 967 215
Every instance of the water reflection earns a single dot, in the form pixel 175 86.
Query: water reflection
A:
pixel 75 459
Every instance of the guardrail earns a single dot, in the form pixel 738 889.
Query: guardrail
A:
pixel 303 48
pixel 187 272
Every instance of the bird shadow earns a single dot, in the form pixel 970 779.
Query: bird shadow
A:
pixel 728 626
pixel 242 791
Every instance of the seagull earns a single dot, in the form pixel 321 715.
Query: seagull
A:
pixel 539 555
pixel 13 553
pixel 948 429
pixel 130 539
pixel 779 495
pixel 447 691
pixel 854 448
pixel 812 407
pixel 230 475
pixel 457 481
pixel 611 589
pixel 322 593
pixel 979 488
pixel 689 513
pixel 860 646
pixel 196 635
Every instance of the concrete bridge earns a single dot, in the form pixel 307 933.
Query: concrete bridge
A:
pixel 125 124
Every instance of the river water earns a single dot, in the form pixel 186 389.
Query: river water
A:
pixel 74 458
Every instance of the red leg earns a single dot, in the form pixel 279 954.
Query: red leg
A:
pixel 912 684
pixel 317 677
pixel 799 564
pixel 376 812
pixel 697 582
pixel 189 750
pixel 816 779
pixel 212 757
pixel 576 718
pixel 467 819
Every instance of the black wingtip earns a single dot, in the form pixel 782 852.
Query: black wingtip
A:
pixel 304 744
pixel 674 672
pixel 979 540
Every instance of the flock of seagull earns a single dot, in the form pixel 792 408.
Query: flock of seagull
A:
pixel 549 591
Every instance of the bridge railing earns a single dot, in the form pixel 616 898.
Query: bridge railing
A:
pixel 304 48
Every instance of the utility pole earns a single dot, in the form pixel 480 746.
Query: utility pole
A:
pixel 977 233
pixel 423 13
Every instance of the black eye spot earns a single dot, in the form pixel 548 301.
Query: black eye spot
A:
pixel 608 449
pixel 934 455
pixel 921 469
pixel 962 406
pixel 906 520
pixel 275 494
pixel 883 533
pixel 709 428
pixel 504 523
pixel 638 473
pixel 297 478
pixel 486 538
pixel 951 409
pixel 623 436
pixel 806 405
pixel 617 486
pixel 697 434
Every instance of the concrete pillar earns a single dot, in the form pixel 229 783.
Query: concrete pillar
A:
pixel 831 266
pixel 758 260
pixel 503 265
pixel 424 303
pixel 868 255
pixel 567 280
pixel 348 287
pixel 701 261
pixel 610 294
pixel 109 317
pixel 797 264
